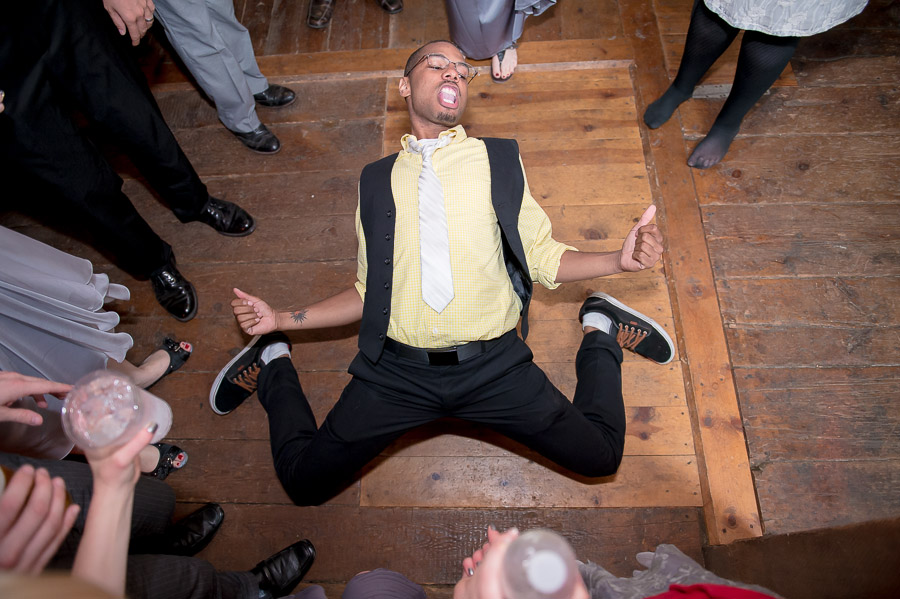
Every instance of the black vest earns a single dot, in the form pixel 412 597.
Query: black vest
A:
pixel 378 217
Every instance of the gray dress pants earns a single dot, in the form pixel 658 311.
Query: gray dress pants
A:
pixel 218 52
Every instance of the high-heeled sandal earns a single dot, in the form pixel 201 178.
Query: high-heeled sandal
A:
pixel 171 457
pixel 179 352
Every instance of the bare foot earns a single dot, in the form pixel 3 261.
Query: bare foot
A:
pixel 503 69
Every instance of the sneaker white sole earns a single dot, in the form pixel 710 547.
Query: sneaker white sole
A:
pixel 652 322
pixel 221 375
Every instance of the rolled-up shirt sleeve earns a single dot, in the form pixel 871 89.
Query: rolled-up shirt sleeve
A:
pixel 541 250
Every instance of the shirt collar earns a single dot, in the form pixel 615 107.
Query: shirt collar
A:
pixel 459 134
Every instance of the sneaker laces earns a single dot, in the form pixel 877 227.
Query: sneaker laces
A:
pixel 246 379
pixel 629 337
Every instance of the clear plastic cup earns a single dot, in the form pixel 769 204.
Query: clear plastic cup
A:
pixel 539 564
pixel 105 409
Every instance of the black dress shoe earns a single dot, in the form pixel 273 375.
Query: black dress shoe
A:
pixel 260 140
pixel 275 95
pixel 320 12
pixel 280 573
pixel 190 535
pixel 174 292
pixel 391 7
pixel 227 218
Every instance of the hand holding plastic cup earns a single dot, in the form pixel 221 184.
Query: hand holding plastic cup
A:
pixel 105 409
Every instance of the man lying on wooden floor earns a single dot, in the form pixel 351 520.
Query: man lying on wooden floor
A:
pixel 450 241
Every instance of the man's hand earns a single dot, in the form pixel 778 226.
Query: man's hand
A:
pixel 643 245
pixel 254 316
pixel 133 16
pixel 34 520
pixel 14 386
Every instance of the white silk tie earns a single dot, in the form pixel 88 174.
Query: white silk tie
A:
pixel 434 237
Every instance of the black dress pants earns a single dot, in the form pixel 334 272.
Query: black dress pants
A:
pixel 502 388
pixel 59 55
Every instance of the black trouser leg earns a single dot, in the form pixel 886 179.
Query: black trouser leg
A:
pixel 586 436
pixel 52 171
pixel 502 388
pixel 314 464
pixel 177 577
pixel 101 74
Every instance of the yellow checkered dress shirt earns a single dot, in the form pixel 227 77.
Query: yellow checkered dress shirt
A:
pixel 484 305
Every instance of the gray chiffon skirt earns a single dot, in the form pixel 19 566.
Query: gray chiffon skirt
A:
pixel 52 326
pixel 482 28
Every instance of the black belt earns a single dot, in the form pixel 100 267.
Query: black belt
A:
pixel 444 356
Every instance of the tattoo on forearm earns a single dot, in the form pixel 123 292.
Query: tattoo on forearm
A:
pixel 298 316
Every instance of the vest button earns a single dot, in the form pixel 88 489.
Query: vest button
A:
pixel 387 237
pixel 384 310
pixel 381 337
pixel 389 213
pixel 387 261
pixel 387 285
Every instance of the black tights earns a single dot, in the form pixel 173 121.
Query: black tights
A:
pixel 761 60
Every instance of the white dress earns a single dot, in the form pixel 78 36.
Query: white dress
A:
pixel 53 326
pixel 795 18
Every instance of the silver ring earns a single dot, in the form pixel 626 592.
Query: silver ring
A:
pixel 150 20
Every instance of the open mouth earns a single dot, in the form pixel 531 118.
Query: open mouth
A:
pixel 448 96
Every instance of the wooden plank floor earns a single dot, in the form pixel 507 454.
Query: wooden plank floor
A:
pixel 800 222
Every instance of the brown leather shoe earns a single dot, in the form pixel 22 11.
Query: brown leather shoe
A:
pixel 391 7
pixel 320 12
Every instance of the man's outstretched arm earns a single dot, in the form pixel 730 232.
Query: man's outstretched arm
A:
pixel 642 249
pixel 256 317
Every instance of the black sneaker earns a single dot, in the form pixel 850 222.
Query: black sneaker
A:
pixel 636 332
pixel 237 381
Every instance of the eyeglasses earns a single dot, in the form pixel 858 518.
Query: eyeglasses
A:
pixel 439 62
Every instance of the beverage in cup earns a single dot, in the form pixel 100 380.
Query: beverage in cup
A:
pixel 106 409
pixel 7 473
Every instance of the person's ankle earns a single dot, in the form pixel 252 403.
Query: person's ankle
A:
pixel 274 351
pixel 596 321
